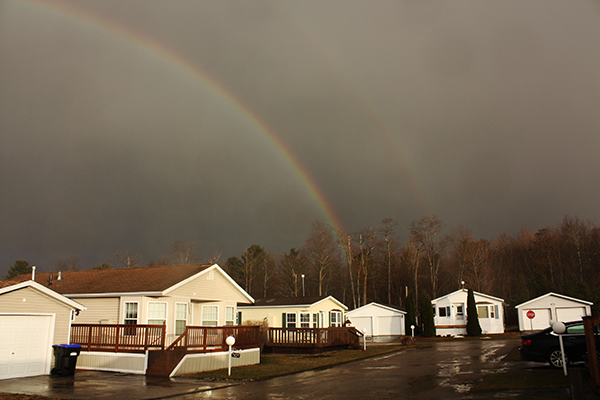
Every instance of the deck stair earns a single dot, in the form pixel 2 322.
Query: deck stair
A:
pixel 163 362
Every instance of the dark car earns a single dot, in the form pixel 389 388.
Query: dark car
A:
pixel 544 346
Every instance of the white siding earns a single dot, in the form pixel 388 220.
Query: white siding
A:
pixel 213 361
pixel 30 301
pixel 99 310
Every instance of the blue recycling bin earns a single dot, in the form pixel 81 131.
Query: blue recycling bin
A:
pixel 65 359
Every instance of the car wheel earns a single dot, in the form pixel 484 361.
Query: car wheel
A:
pixel 555 358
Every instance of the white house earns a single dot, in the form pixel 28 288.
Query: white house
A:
pixel 536 314
pixel 380 322
pixel 175 296
pixel 450 313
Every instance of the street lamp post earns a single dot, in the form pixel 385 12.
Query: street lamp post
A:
pixel 230 342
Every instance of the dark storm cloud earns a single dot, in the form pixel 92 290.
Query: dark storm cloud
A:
pixel 484 113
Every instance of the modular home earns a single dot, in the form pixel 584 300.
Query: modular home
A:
pixel 295 312
pixel 450 313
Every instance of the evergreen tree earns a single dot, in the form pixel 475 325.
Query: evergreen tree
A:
pixel 19 268
pixel 473 327
pixel 427 315
pixel 411 312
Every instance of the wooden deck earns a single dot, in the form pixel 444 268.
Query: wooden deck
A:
pixel 151 338
pixel 118 338
pixel 311 340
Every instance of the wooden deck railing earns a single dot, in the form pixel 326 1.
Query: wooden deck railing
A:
pixel 317 338
pixel 203 339
pixel 118 338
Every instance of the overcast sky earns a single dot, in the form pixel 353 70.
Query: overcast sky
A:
pixel 128 125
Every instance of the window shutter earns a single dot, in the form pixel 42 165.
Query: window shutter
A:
pixel 283 320
pixel 239 318
pixel 330 319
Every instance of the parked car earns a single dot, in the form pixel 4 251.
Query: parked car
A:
pixel 544 346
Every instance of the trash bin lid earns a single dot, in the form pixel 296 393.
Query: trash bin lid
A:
pixel 68 346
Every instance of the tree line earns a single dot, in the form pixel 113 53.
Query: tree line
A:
pixel 374 265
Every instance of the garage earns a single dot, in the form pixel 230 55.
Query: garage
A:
pixel 25 345
pixel 39 318
pixel 380 323
pixel 535 314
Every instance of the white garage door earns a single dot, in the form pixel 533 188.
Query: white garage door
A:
pixel 391 325
pixel 363 324
pixel 570 314
pixel 25 341
pixel 540 321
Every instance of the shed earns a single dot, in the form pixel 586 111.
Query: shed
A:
pixel 380 322
pixel 32 319
pixel 535 314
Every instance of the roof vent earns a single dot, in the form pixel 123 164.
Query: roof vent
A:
pixel 59 276
pixel 33 272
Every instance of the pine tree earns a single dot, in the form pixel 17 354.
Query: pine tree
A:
pixel 19 268
pixel 473 327
pixel 427 315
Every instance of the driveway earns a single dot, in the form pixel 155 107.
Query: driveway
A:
pixel 434 370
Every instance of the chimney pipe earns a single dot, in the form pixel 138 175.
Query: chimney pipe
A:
pixel 59 276
pixel 33 272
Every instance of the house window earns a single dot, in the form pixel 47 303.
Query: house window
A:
pixel 290 320
pixel 315 320
pixel 157 313
pixel 304 320
pixel 131 313
pixel 492 314
pixel 335 319
pixel 496 312
pixel 444 311
pixel 180 318
pixel 483 312
pixel 229 315
pixel 460 310
pixel 130 318
pixel 210 315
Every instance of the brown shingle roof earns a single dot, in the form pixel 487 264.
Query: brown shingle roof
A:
pixel 121 280
pixel 288 301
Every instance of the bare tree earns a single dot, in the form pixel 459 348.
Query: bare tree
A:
pixel 322 253
pixel 366 244
pixel 345 241
pixel 388 231
pixel 70 264
pixel 185 253
pixel 425 231
pixel 128 260
pixel 252 261
pixel 292 268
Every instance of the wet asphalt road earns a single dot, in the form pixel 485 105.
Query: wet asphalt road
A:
pixel 436 370
pixel 433 370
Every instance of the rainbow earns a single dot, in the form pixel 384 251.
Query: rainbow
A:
pixel 217 89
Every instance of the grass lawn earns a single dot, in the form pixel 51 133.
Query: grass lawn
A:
pixel 272 365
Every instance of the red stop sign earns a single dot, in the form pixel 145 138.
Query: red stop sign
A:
pixel 530 314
